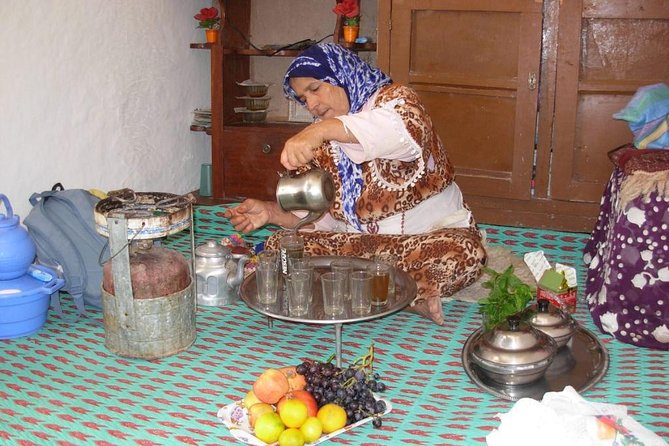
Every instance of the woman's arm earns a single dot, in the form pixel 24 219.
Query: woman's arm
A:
pixel 383 129
pixel 299 149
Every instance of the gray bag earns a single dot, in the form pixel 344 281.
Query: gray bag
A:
pixel 62 225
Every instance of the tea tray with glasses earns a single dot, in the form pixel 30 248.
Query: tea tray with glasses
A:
pixel 405 292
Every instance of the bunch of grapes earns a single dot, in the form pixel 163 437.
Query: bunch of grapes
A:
pixel 352 387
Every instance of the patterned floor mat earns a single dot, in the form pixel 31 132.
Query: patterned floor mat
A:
pixel 61 386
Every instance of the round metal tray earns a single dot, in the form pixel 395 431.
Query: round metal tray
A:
pixel 581 363
pixel 405 292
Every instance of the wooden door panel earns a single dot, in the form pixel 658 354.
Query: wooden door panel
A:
pixel 456 115
pixel 606 51
pixel 474 50
pixel 470 61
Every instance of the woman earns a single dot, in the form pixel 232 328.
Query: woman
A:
pixel 395 184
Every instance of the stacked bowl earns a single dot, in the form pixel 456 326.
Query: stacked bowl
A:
pixel 256 101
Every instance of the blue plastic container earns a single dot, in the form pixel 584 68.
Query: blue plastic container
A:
pixel 17 249
pixel 24 302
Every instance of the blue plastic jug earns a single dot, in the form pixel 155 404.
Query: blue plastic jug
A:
pixel 17 249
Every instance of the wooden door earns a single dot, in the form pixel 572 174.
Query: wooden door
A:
pixel 475 64
pixel 607 49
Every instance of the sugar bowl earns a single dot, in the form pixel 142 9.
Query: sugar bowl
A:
pixel 551 320
pixel 513 352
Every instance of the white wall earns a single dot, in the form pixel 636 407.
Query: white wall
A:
pixel 99 94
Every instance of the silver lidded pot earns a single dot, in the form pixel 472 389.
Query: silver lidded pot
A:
pixel 219 274
pixel 553 321
pixel 513 352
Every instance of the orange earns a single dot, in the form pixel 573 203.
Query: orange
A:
pixel 269 426
pixel 312 429
pixel 332 417
pixel 291 437
pixel 293 412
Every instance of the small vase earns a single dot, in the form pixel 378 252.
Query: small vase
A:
pixel 350 33
pixel 212 35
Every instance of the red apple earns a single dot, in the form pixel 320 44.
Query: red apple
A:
pixel 309 400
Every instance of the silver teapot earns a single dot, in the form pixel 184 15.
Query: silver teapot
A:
pixel 219 274
pixel 312 190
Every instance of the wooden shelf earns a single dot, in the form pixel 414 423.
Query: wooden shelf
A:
pixel 201 46
pixel 266 124
pixel 359 46
pixel 246 155
pixel 282 53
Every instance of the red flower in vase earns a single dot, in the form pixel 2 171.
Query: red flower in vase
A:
pixel 208 18
pixel 349 10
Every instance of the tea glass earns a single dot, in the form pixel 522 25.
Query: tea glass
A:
pixel 332 284
pixel 267 280
pixel 298 285
pixel 380 277
pixel 303 263
pixel 290 246
pixel 361 292
pixel 390 260
pixel 344 266
pixel 267 256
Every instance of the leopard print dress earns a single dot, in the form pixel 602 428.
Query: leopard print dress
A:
pixel 442 261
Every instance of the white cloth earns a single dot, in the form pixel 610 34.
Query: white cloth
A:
pixel 566 418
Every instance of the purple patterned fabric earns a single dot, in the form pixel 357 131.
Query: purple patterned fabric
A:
pixel 627 283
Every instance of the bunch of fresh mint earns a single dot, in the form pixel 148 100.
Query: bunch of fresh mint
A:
pixel 509 295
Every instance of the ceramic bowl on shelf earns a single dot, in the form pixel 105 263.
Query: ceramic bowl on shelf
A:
pixel 254 89
pixel 252 103
pixel 251 115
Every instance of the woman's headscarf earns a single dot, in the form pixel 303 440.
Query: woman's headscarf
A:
pixel 340 67
pixel 337 66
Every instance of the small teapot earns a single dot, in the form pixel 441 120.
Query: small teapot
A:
pixel 219 274
pixel 17 248
pixel 312 190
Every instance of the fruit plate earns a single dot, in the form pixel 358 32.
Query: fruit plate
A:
pixel 235 417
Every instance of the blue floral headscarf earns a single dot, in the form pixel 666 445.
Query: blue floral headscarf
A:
pixel 340 67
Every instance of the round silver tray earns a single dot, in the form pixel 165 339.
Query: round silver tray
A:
pixel 581 363
pixel 405 292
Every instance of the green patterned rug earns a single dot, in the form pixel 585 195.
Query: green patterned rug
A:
pixel 61 386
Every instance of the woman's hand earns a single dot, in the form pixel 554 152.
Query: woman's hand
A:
pixel 299 149
pixel 251 214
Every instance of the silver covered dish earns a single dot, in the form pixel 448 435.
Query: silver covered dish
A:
pixel 551 320
pixel 513 352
